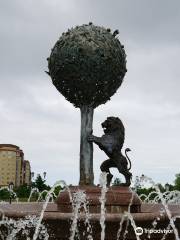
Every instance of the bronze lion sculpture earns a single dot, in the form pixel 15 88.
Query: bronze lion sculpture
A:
pixel 111 143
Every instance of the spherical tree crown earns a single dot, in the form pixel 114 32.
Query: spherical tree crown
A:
pixel 87 65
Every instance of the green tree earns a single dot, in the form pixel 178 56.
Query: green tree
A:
pixel 23 191
pixel 161 188
pixel 146 192
pixel 177 182
pixel 40 184
pixel 4 194
pixel 168 187
pixel 117 182
pixel 57 190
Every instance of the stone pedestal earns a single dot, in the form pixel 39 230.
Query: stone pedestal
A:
pixel 118 199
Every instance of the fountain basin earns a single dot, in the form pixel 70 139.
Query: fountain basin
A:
pixel 58 224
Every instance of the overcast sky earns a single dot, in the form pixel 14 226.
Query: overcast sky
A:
pixel 37 118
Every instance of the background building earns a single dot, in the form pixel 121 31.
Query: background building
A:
pixel 26 172
pixel 13 167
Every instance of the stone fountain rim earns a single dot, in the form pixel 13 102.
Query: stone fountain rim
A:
pixel 112 217
pixel 21 210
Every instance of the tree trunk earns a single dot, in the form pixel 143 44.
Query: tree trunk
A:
pixel 86 148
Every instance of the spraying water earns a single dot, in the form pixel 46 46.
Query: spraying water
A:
pixel 129 211
pixel 103 184
pixel 11 192
pixel 48 197
pixel 33 190
pixel 80 204
pixel 164 203
pixel 21 226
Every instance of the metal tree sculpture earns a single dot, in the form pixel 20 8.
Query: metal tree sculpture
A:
pixel 87 65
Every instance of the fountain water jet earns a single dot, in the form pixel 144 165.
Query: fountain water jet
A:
pixel 102 199
pixel 118 225
pixel 48 197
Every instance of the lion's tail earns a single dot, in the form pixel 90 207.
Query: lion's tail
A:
pixel 128 150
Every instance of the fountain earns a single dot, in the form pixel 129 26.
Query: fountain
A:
pixel 87 66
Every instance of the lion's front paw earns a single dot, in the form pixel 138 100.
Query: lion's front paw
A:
pixel 90 138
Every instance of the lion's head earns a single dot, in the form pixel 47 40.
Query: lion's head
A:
pixel 113 124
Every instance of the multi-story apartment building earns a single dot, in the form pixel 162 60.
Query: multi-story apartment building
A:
pixel 13 167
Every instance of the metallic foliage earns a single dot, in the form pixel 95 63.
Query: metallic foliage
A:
pixel 87 65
